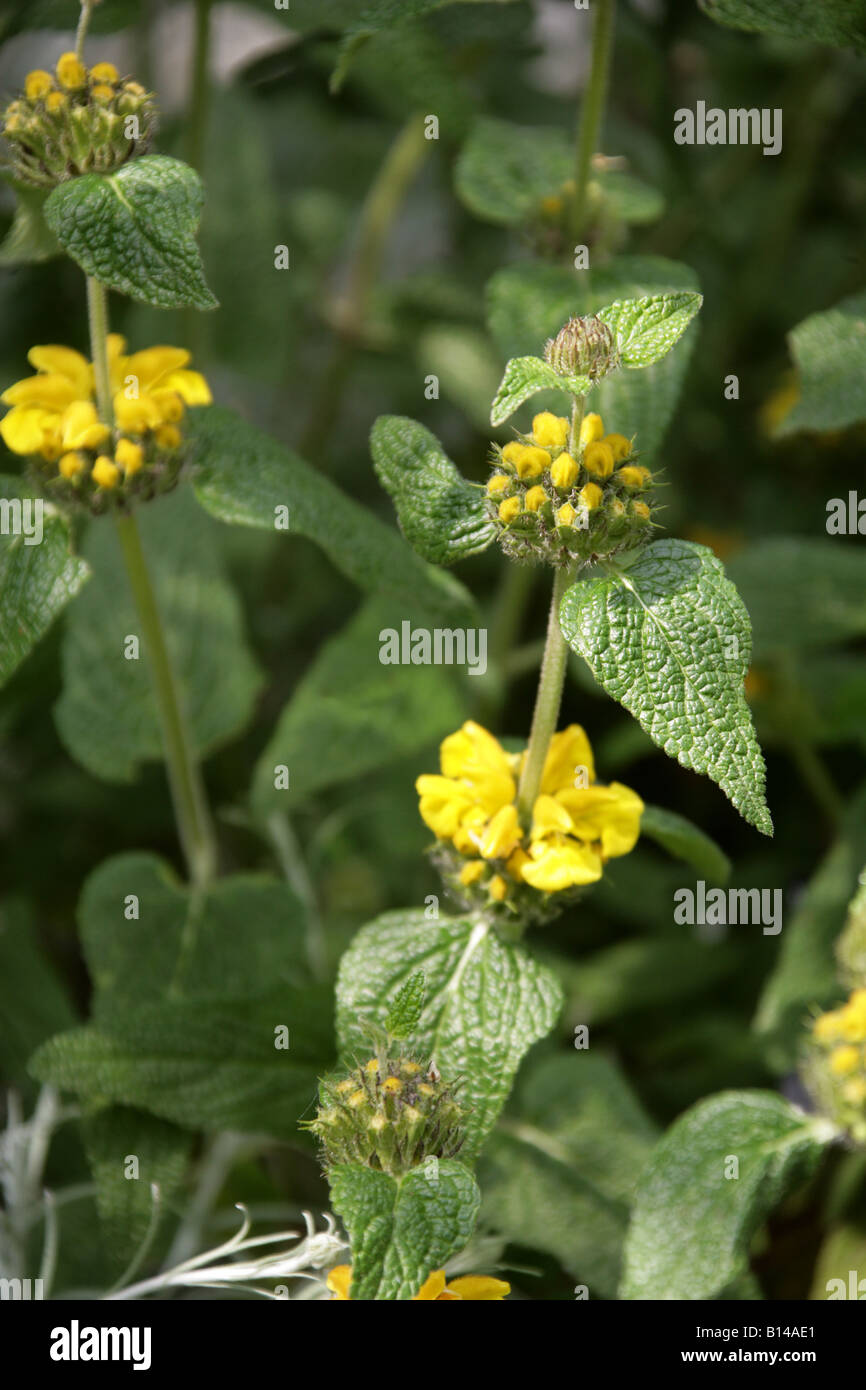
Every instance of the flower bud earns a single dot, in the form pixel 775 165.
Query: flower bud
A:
pixel 583 347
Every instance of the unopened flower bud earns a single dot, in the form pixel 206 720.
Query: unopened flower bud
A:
pixel 583 347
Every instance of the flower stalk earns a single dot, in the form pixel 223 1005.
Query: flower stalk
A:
pixel 547 701
pixel 592 108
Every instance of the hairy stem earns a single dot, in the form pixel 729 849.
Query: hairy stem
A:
pixel 547 702
pixel 184 775
pixel 97 317
pixel 592 108
pixel 83 26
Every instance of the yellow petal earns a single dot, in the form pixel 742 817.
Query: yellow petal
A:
pixel 549 815
pixel 443 804
pixel 559 862
pixel 24 428
pixel 431 1288
pixel 190 386
pixel 478 759
pixel 478 1288
pixel 136 416
pixel 81 427
pixel 49 390
pixel 339 1280
pixel 153 363
pixel 502 834
pixel 607 814
pixel 569 752
pixel 52 357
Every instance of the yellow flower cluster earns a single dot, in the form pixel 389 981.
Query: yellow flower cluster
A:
pixel 74 120
pixel 577 824
pixel 555 498
pixel 54 418
pixel 469 1288
pixel 838 1066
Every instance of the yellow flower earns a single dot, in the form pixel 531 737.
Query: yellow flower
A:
pixel 71 73
pixel 472 870
pixel 591 429
pixel 102 92
pixel 844 1060
pixel 566 515
pixel 564 471
pixel 105 473
pixel 129 456
pixel 509 509
pixel 477 781
pixel 640 509
pixel 591 496
pixel 148 386
pixel 55 101
pixel 104 72
pixel 535 498
pixel 37 84
pixel 632 476
pixel 530 462
pixel 469 1288
pixel 70 465
pixel 598 459
pixel 498 483
pixel 549 430
pixel 619 446
pixel 497 888
pixel 168 436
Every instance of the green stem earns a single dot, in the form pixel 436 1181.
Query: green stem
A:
pixel 297 876
pixel 814 772
pixel 592 108
pixel 577 412
pixel 200 86
pixel 97 317
pixel 384 199
pixel 83 26
pixel 187 789
pixel 547 702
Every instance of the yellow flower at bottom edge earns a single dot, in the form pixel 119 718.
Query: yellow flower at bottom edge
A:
pixel 469 1288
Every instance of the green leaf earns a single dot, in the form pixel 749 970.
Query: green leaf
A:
pixel 406 1009
pixel 693 1221
pixel 185 944
pixel 851 946
pixel 33 1004
pixel 380 15
pixel 647 328
pixel 201 1063
pixel 36 581
pixel 442 516
pixel 528 303
pixel 124 1202
pixel 134 230
pixel 628 197
pixel 246 478
pixel 685 841
pixel 669 638
pixel 333 731
pixel 504 170
pixel 801 593
pixel 525 377
pixel 28 239
pixel 487 1002
pixel 559 1172
pixel 107 714
pixel 465 364
pixel 806 976
pixel 840 22
pixel 829 350
pixel 401 1229
pixel 634 976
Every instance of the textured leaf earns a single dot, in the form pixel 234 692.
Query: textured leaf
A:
pixel 840 22
pixel 669 638
pixel 685 841
pixel 134 230
pixel 378 15
pixel 525 377
pixel 504 170
pixel 36 581
pixel 243 476
pixel 559 1172
pixel 402 1229
pixel 241 939
pixel 107 715
pixel 647 328
pixel 628 197
pixel 333 730
pixel 487 1002
pixel 33 1004
pixel 528 303
pixel 28 239
pixel 806 975
pixel 124 1202
pixel 829 350
pixel 692 1225
pixel 441 515
pixel 406 1009
pixel 801 593
pixel 201 1063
